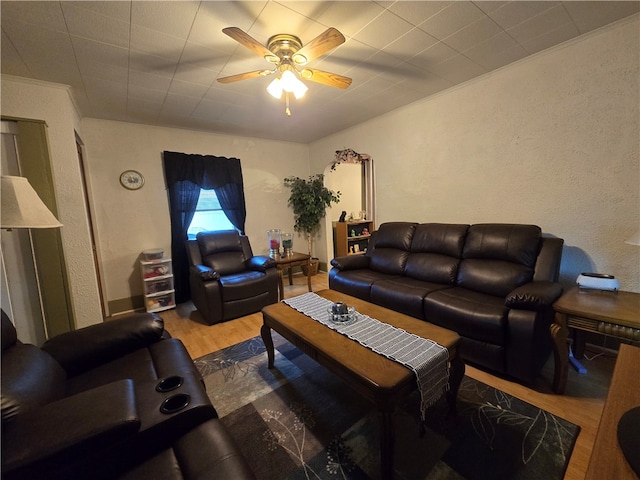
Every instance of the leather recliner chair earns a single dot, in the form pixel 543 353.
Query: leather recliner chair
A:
pixel 118 399
pixel 227 281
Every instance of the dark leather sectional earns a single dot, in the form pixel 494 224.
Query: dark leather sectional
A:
pixel 87 405
pixel 494 284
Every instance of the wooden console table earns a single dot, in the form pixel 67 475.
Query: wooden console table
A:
pixel 616 314
pixel 287 263
pixel 607 459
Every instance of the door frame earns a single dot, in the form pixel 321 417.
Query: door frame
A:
pixel 34 160
pixel 90 219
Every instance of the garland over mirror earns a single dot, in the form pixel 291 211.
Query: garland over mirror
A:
pixel 349 155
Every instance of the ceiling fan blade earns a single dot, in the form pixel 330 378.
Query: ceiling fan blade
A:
pixel 328 40
pixel 251 43
pixel 326 78
pixel 245 76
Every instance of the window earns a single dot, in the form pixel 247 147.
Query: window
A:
pixel 209 215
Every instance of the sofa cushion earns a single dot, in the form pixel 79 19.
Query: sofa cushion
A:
pixel 222 252
pixel 403 294
pixel 472 314
pixel 392 244
pixel 244 285
pixel 492 277
pixel 432 267
pixel 356 283
pixel 511 243
pixel 498 258
pixel 436 250
pixel 395 235
pixel 444 238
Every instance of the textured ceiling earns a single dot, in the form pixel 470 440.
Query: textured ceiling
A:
pixel 157 62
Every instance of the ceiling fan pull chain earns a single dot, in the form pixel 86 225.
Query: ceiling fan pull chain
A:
pixel 286 99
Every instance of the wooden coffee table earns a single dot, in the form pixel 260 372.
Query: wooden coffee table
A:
pixel 378 379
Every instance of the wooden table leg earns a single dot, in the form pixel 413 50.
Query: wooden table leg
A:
pixel 578 345
pixel 387 441
pixel 280 285
pixel 456 373
pixel 309 273
pixel 559 335
pixel 265 333
pixel 290 275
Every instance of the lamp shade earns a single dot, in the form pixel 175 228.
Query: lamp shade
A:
pixel 291 84
pixel 275 88
pixel 287 82
pixel 22 207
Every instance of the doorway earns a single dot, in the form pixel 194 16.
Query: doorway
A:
pixel 35 281
pixel 20 296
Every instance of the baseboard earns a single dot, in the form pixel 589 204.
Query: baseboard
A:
pixel 125 305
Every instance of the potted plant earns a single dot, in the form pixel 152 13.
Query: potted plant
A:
pixel 309 200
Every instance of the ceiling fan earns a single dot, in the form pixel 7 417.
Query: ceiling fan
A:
pixel 289 58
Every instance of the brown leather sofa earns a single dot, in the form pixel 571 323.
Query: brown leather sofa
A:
pixel 494 284
pixel 227 281
pixel 115 400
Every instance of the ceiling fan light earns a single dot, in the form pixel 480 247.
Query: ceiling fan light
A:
pixel 275 88
pixel 300 90
pixel 291 84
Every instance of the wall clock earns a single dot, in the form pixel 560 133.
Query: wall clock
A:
pixel 131 179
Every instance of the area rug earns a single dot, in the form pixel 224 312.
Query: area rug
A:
pixel 299 421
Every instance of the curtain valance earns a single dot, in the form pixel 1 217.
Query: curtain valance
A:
pixel 206 171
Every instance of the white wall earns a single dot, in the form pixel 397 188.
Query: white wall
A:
pixel 52 103
pixel 129 222
pixel 550 140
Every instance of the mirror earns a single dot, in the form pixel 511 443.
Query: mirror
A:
pixel 355 183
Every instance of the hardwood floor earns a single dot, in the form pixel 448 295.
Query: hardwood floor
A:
pixel 582 404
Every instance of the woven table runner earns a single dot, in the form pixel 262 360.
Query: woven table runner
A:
pixel 428 360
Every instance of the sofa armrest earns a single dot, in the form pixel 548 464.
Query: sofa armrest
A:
pixel 534 296
pixel 86 348
pixel 51 436
pixel 350 262
pixel 260 263
pixel 205 273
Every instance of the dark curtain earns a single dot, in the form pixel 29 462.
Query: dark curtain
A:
pixel 231 197
pixel 186 175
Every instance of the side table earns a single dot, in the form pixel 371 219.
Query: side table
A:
pixel 287 263
pixel 616 314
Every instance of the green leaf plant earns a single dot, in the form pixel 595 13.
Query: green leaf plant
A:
pixel 309 200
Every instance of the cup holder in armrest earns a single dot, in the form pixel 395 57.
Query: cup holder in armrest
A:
pixel 175 403
pixel 169 383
